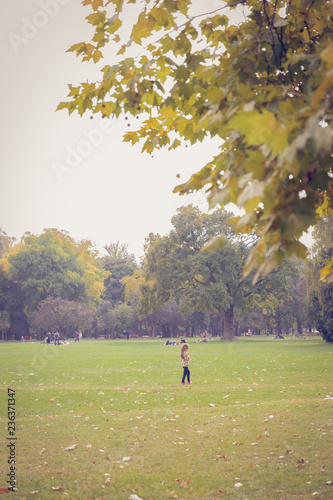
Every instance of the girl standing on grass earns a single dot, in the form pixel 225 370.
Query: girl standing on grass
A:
pixel 185 359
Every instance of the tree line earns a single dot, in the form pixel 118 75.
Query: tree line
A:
pixel 54 282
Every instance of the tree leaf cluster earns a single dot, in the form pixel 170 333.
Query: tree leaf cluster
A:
pixel 264 87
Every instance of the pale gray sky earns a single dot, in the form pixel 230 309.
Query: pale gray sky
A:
pixel 112 192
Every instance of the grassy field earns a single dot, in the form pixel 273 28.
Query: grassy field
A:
pixel 110 419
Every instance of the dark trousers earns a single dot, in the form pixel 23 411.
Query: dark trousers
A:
pixel 186 373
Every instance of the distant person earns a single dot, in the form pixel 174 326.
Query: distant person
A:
pixel 48 338
pixel 56 338
pixel 77 337
pixel 80 336
pixel 128 334
pixel 183 341
pixel 185 359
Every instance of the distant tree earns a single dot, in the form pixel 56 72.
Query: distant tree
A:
pixel 11 296
pixel 123 318
pixel 132 285
pixel 321 291
pixel 206 282
pixel 295 301
pixel 118 251
pixel 54 265
pixel 170 320
pixel 278 302
pixel 63 315
pixel 113 320
pixel 4 324
pixel 119 263
pixel 104 318
pixel 148 306
pixel 6 242
pixel 167 318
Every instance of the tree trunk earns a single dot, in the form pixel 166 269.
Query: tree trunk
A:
pixel 228 330
pixel 299 326
pixel 153 327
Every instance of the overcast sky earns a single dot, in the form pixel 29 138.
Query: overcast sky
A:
pixel 74 173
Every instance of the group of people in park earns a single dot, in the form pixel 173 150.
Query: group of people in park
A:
pixel 53 338
pixel 78 337
pixel 57 339
pixel 126 334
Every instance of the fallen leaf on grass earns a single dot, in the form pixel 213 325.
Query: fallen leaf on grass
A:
pixel 33 492
pixel 59 488
pixel 182 483
pixel 238 485
pixel 3 490
pixel 71 447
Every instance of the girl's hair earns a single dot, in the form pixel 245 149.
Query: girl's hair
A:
pixel 184 348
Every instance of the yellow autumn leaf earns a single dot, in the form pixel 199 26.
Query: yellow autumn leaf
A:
pixel 280 141
pixel 131 137
pixel 258 128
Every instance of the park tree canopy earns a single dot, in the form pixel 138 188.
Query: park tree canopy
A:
pixel 119 263
pixel 54 265
pixel 264 87
pixel 206 282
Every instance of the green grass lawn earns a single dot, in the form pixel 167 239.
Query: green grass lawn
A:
pixel 256 423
